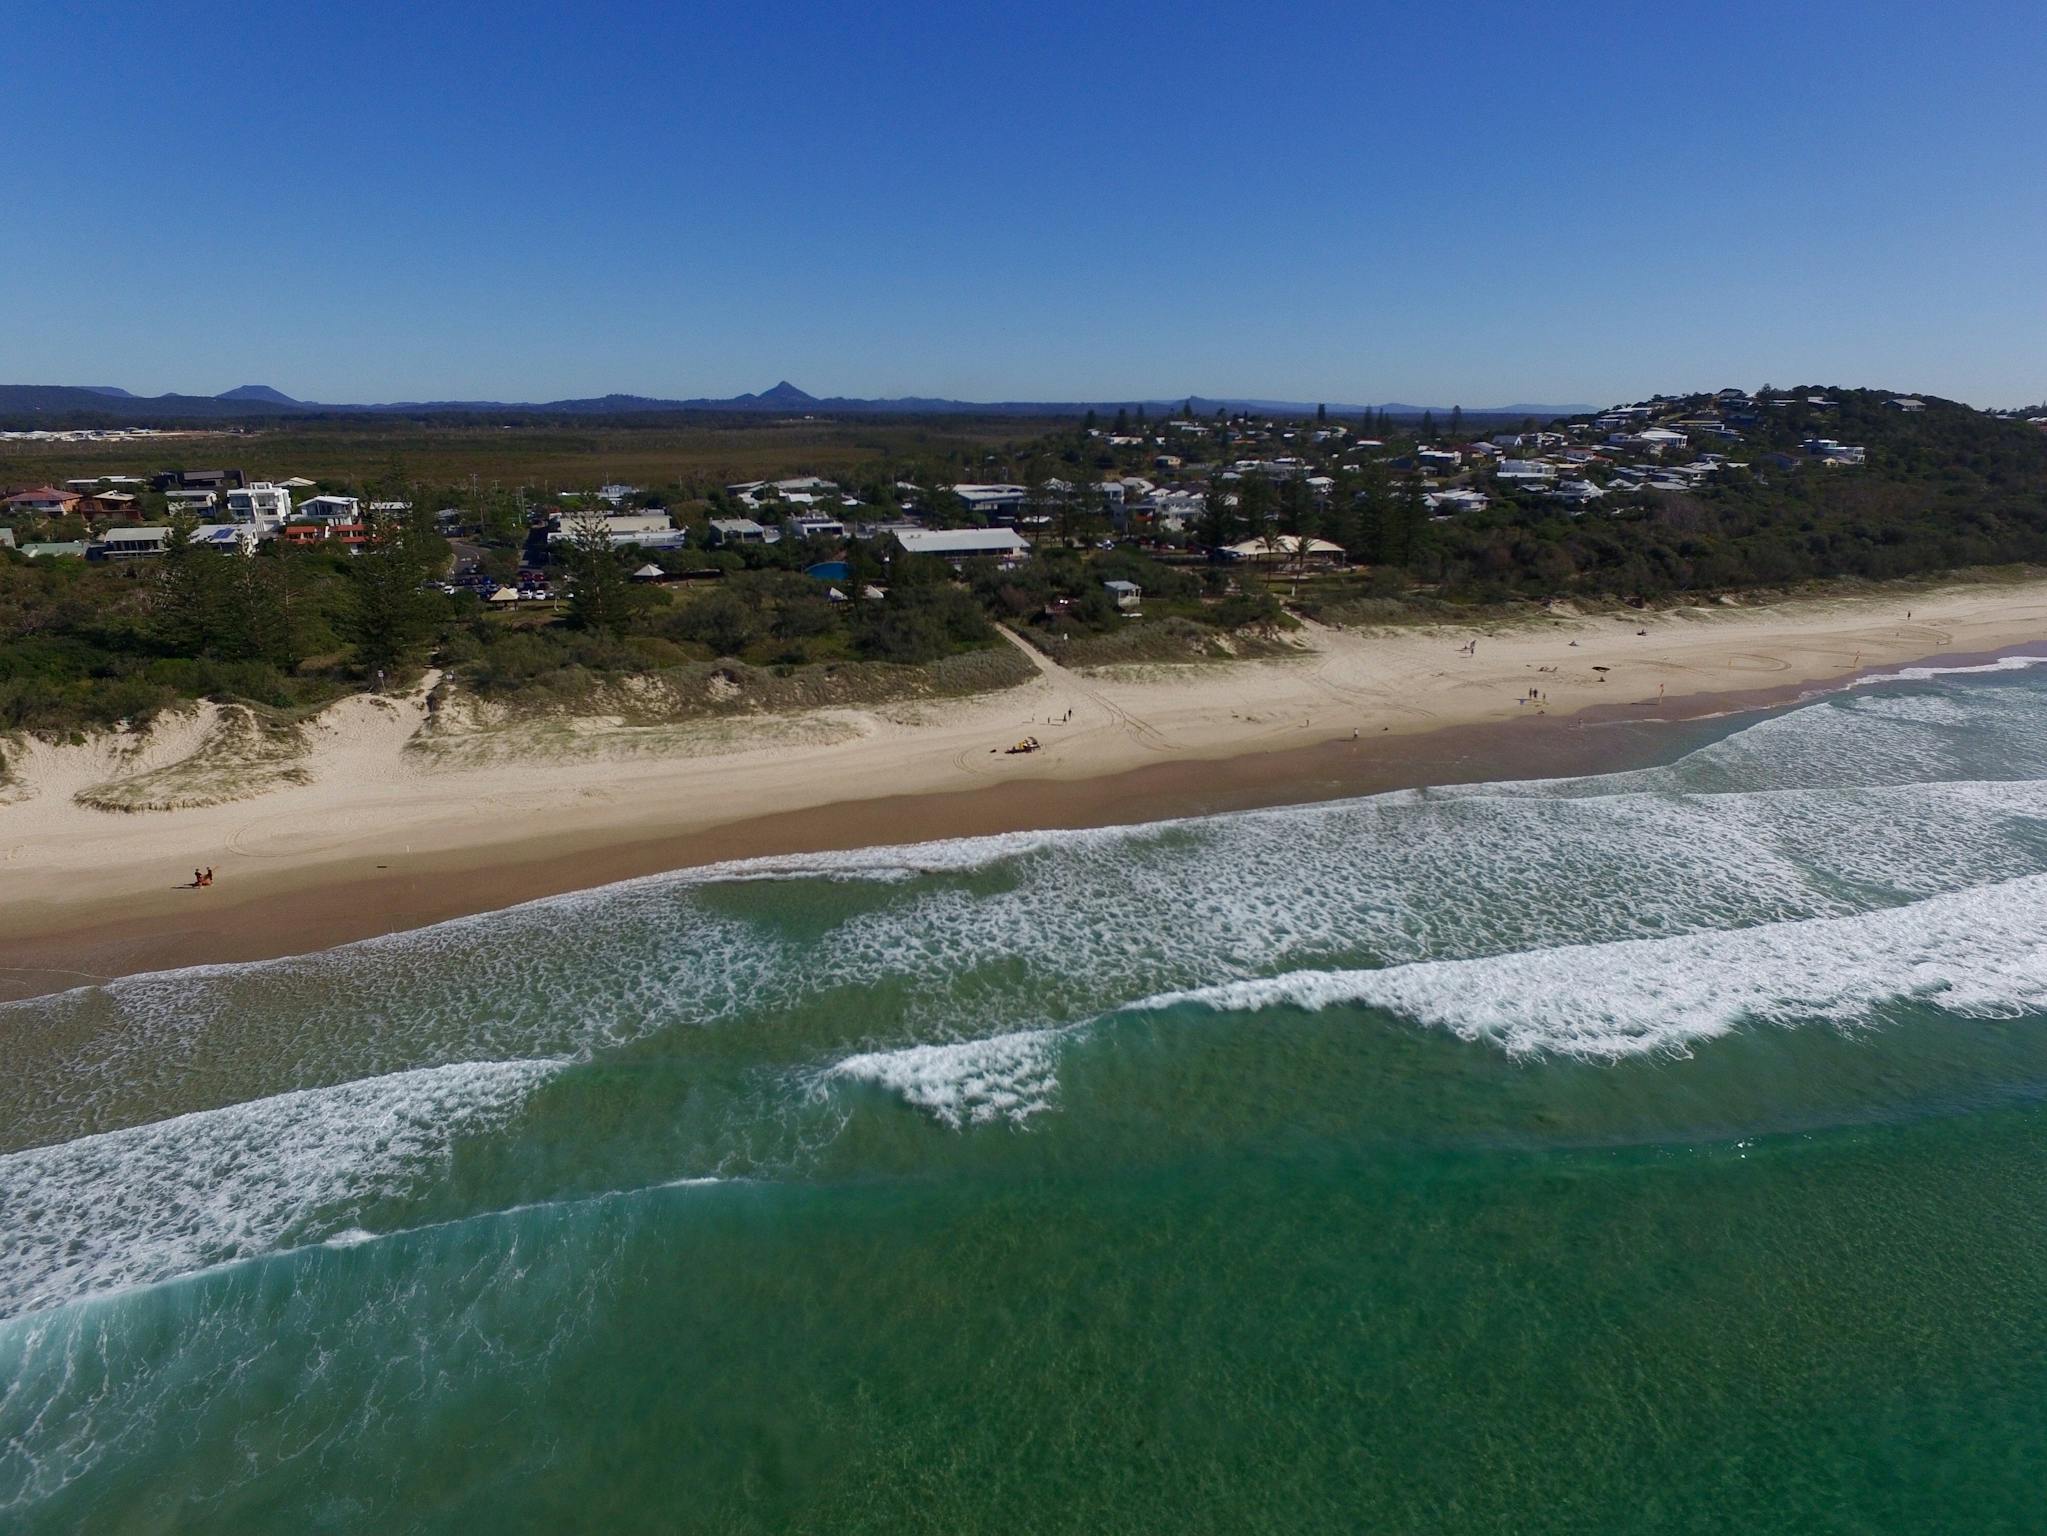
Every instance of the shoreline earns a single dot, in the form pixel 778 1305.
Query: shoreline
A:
pixel 772 800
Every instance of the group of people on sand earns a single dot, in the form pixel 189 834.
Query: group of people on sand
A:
pixel 202 877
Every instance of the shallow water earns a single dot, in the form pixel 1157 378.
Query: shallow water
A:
pixel 1657 1150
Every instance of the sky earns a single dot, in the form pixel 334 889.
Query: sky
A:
pixel 1476 204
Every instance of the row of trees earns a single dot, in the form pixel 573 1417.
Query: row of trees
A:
pixel 1372 517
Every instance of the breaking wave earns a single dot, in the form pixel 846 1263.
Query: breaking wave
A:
pixel 139 1205
pixel 1977 953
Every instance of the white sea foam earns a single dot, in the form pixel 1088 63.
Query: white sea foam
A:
pixel 1977 953
pixel 1753 829
pixel 1002 1077
pixel 1928 674
pixel 134 1206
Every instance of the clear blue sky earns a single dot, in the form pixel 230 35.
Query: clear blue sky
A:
pixel 1475 203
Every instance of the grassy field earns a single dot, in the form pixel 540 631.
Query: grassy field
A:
pixel 550 456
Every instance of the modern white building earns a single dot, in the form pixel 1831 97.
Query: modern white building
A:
pixel 262 504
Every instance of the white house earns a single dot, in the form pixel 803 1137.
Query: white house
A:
pixel 1172 511
pixel 329 509
pixel 261 503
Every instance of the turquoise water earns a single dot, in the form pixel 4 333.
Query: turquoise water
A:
pixel 1655 1151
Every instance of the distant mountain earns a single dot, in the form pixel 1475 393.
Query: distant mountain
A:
pixel 261 392
pixel 55 405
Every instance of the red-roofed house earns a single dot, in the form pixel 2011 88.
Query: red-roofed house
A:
pixel 45 499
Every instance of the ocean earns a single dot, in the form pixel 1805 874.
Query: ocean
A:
pixel 1658 1150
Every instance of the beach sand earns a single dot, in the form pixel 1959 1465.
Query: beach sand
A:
pixel 362 824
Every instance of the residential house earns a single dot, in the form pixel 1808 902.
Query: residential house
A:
pixel 262 504
pixel 238 538
pixel 729 531
pixel 1289 548
pixel 1577 493
pixel 197 480
pixel 330 509
pixel 958 544
pixel 132 543
pixel 1447 502
pixel 1128 594
pixel 812 525
pixel 43 501
pixel 1174 511
pixel 997 503
pixel 1830 452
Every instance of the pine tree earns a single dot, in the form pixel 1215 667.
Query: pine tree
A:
pixel 1218 515
pixel 1297 513
pixel 1456 421
pixel 1409 523
pixel 1322 413
pixel 1428 426
pixel 392 612
pixel 1254 506
pixel 181 604
pixel 600 593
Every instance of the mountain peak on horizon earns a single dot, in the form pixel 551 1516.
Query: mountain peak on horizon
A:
pixel 261 392
pixel 785 393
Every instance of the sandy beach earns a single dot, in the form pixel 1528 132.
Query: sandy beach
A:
pixel 368 821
